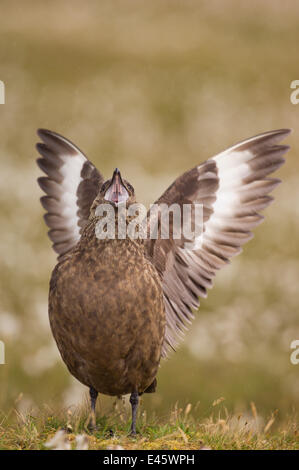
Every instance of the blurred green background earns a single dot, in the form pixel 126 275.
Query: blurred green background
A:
pixel 153 88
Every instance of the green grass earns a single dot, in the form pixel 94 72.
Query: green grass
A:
pixel 178 431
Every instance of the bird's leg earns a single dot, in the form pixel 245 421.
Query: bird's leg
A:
pixel 134 400
pixel 93 400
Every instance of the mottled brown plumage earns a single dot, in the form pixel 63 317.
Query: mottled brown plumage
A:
pixel 107 314
pixel 117 305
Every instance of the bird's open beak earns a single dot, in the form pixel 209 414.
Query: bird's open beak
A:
pixel 116 192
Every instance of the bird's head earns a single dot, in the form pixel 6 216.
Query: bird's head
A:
pixel 117 191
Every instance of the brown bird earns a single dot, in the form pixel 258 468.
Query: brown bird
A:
pixel 117 305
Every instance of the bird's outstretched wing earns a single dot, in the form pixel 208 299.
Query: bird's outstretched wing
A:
pixel 71 185
pixel 233 188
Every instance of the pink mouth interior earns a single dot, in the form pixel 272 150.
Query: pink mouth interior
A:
pixel 116 192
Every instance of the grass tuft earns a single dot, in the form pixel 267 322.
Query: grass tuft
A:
pixel 68 429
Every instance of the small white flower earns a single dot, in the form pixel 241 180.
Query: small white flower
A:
pixel 82 442
pixel 59 441
pixel 115 447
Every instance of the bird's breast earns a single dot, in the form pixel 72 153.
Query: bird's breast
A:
pixel 108 310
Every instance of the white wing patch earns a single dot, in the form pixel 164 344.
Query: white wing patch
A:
pixel 66 204
pixel 233 208
pixel 71 173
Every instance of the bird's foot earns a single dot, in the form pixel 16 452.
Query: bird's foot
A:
pixel 91 424
pixel 134 399
pixel 133 433
pixel 92 428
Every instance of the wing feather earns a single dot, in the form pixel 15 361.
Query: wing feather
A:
pixel 233 188
pixel 71 184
